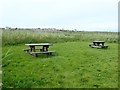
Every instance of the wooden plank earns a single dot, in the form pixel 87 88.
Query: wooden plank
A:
pixel 96 46
pixel 99 46
pixel 106 46
pixel 30 49
pixel 46 52
pixel 42 52
pixel 98 42
pixel 26 49
pixel 39 44
pixel 90 44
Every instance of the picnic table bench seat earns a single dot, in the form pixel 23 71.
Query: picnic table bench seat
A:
pixel 42 52
pixel 93 46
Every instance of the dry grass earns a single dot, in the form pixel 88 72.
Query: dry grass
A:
pixel 13 37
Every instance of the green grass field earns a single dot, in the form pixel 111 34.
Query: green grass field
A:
pixel 74 65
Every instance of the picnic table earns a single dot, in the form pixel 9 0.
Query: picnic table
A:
pixel 34 51
pixel 98 44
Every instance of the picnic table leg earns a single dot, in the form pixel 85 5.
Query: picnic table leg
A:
pixel 47 54
pixel 95 44
pixel 102 44
pixel 98 44
pixel 35 55
pixel 43 49
pixel 47 48
pixel 50 53
pixel 32 48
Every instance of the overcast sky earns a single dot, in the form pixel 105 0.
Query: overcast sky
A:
pixel 87 15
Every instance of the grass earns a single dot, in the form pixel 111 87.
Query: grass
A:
pixel 14 37
pixel 75 65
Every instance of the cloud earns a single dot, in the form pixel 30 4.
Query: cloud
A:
pixel 60 13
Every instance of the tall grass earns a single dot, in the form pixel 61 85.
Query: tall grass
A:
pixel 13 37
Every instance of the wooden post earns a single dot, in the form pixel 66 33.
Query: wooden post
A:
pixel 43 49
pixel 103 44
pixel 47 47
pixel 32 48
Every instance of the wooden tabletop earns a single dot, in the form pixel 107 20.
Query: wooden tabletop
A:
pixel 39 44
pixel 98 41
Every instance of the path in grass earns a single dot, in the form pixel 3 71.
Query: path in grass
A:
pixel 75 65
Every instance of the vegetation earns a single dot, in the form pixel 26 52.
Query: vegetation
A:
pixel 13 37
pixel 74 65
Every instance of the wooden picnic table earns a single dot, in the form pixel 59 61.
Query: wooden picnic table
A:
pixel 43 50
pixel 45 46
pixel 98 44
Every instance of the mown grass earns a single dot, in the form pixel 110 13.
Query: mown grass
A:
pixel 75 65
pixel 14 37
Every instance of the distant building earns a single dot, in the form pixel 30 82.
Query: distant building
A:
pixel 7 27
